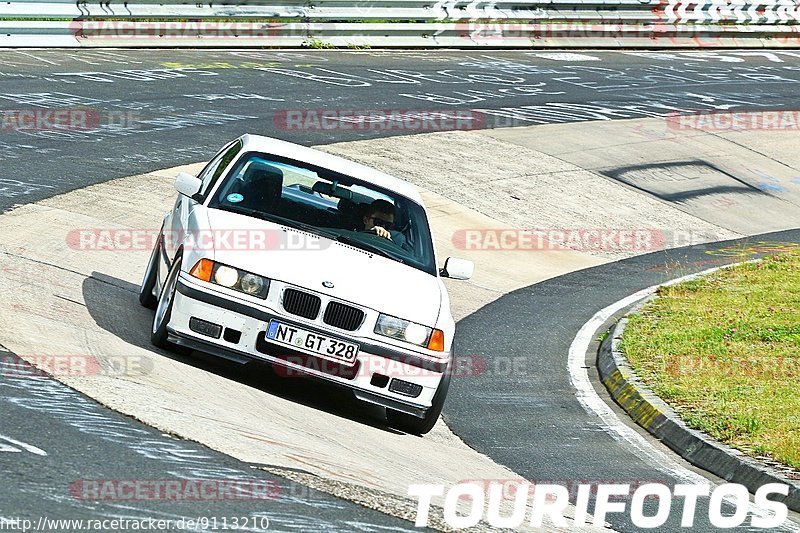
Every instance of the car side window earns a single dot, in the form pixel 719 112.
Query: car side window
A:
pixel 216 167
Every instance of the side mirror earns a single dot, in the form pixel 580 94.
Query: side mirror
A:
pixel 455 268
pixel 187 185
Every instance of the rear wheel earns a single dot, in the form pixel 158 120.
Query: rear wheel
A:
pixel 159 334
pixel 420 426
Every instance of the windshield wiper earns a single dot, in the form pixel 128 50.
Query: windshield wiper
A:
pixel 371 249
pixel 305 227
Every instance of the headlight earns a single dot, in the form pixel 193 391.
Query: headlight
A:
pixel 226 276
pixel 231 277
pixel 252 284
pixel 391 327
pixel 403 330
pixel 416 334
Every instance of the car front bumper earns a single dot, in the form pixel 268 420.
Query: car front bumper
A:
pixel 379 371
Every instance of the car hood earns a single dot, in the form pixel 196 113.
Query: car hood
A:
pixel 306 260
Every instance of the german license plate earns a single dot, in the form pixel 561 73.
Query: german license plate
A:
pixel 314 343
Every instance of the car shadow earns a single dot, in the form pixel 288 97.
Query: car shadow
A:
pixel 114 306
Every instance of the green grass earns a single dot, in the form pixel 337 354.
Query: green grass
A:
pixel 724 351
pixel 317 44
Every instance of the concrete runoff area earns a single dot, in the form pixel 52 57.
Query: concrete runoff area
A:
pixel 740 182
pixel 502 174
pixel 66 300
pixel 62 299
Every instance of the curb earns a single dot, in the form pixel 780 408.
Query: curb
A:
pixel 661 421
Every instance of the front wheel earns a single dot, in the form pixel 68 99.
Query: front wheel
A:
pixel 146 297
pixel 159 334
pixel 420 426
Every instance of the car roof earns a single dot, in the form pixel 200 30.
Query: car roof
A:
pixel 271 146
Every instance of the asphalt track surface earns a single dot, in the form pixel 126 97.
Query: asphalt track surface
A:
pixel 156 109
pixel 537 427
pixel 92 452
pixel 529 421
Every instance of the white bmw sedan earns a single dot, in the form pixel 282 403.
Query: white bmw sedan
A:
pixel 318 265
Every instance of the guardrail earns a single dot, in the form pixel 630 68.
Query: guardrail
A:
pixel 404 23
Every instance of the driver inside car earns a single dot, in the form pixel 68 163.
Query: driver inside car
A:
pixel 379 219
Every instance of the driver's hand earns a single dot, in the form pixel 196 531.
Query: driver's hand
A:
pixel 381 232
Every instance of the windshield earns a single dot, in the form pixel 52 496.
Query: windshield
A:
pixel 339 207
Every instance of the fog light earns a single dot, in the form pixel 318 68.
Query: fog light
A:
pixel 203 327
pixel 405 388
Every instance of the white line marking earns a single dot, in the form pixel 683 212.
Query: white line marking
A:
pixel 591 401
pixel 7 448
pixel 565 56
pixel 26 447
pixel 36 57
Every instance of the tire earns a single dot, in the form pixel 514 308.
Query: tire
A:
pixel 420 426
pixel 158 333
pixel 146 297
